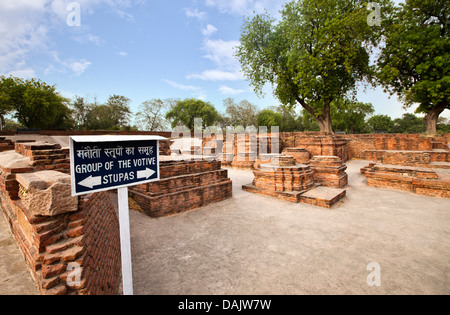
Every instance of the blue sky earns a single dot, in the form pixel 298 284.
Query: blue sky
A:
pixel 141 49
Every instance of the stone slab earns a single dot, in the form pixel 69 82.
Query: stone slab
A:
pixel 323 196
pixel 47 193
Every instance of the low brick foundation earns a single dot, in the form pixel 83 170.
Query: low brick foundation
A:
pixel 45 156
pixel 409 158
pixel 184 186
pixel 301 155
pixel 6 145
pixel 423 181
pixel 71 245
pixel 317 144
pixel 288 181
pixel 329 171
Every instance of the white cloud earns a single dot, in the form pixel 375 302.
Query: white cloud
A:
pixel 77 67
pixel 246 7
pixel 195 13
pixel 209 30
pixel 24 74
pixel 221 53
pixel 196 90
pixel 217 75
pixel 88 38
pixel 122 53
pixel 226 90
pixel 21 31
pixel 26 27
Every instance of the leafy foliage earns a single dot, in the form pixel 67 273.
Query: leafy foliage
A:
pixel 316 54
pixel 415 60
pixel 152 115
pixel 244 114
pixel 35 103
pixel 185 112
pixel 380 123
pixel 350 116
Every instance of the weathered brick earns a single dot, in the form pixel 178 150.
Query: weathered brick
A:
pixel 49 271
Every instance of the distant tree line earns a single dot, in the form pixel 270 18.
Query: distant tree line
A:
pixel 320 50
pixel 36 105
pixel 315 57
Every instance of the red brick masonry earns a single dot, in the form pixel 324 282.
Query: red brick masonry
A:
pixel 284 179
pixel 423 181
pixel 184 186
pixel 76 252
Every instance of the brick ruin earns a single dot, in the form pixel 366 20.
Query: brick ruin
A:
pixel 71 245
pixel 184 185
pixel 61 236
pixel 285 179
pixel 326 155
pixel 419 180
pixel 411 163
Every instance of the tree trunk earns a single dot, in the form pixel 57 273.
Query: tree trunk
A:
pixel 323 121
pixel 432 117
pixel 325 125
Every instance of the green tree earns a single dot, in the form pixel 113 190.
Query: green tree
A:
pixel 291 121
pixel 318 52
pixel 268 118
pixel 309 123
pixel 350 116
pixel 99 117
pixel 409 123
pixel 415 60
pixel 380 123
pixel 119 110
pixel 113 115
pixel 80 112
pixel 152 115
pixel 243 114
pixel 186 111
pixel 443 125
pixel 6 105
pixel 35 103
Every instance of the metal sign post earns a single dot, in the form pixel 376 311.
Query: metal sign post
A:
pixel 102 163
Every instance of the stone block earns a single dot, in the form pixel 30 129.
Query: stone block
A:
pixel 47 193
pixel 301 155
pixel 329 171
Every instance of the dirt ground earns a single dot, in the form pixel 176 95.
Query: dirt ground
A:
pixel 251 244
pixel 14 276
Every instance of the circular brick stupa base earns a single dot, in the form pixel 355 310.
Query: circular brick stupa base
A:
pixel 286 180
pixel 301 155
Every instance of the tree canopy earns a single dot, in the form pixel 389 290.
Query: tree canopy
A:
pixel 35 103
pixel 115 114
pixel 316 54
pixel 152 115
pixel 185 112
pixel 415 60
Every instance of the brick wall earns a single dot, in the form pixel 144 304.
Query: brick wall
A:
pixel 348 147
pixel 45 156
pixel 69 250
pixel 423 181
pixel 184 186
